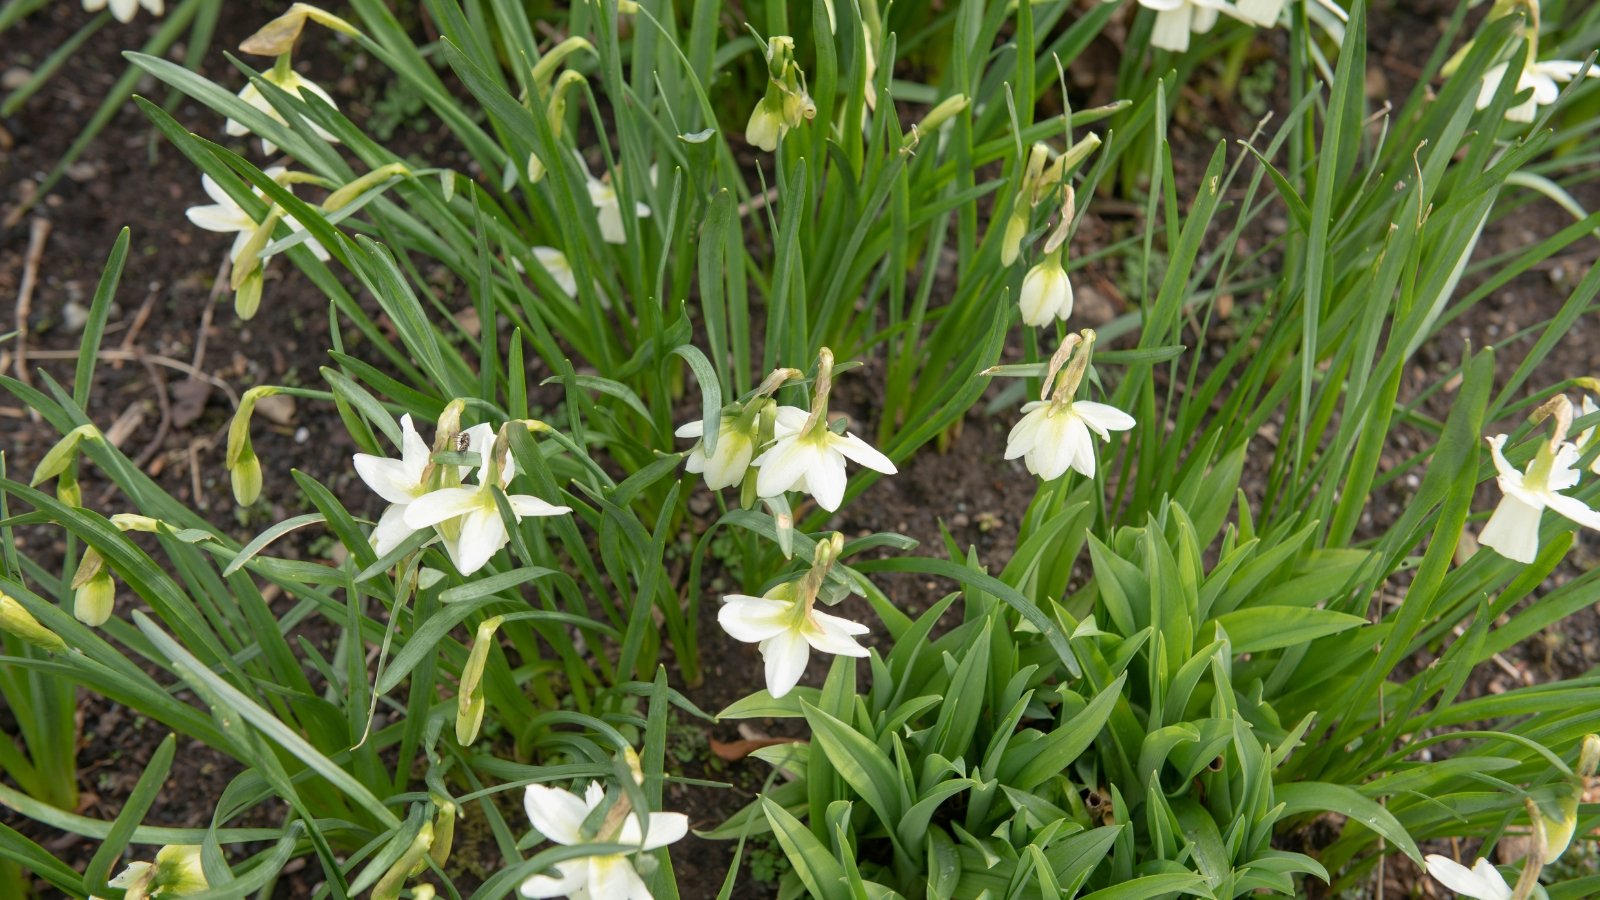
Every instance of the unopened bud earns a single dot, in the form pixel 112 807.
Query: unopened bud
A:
pixel 245 478
pixel 58 458
pixel 444 830
pixel 94 599
pixel 67 490
pixel 1589 756
pixel 342 197
pixel 136 522
pixel 409 863
pixel 469 699
pixel 16 620
pixel 948 108
pixel 247 296
pixel 1016 230
pixel 545 69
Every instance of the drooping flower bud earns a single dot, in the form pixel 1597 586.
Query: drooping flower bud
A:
pixel 470 702
pixel 1046 293
pixel 58 458
pixel 786 104
pixel 409 863
pixel 94 593
pixel 16 620
pixel 341 198
pixel 244 468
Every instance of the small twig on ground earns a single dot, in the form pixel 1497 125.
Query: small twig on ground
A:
pixel 38 233
pixel 163 426
pixel 139 318
pixel 135 356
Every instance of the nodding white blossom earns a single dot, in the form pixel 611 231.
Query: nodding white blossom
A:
pixel 224 216
pixel 1046 293
pixel 177 872
pixel 468 517
pixel 811 458
pixel 124 10
pixel 1264 13
pixel 560 815
pixel 401 481
pixel 555 262
pixel 737 435
pixel 608 205
pixel 1513 529
pixel 786 103
pixel 1054 434
pixel 1177 19
pixel 1481 882
pixel 1543 78
pixel 290 81
pixel 786 625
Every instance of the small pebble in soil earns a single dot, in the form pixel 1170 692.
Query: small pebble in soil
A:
pixel 73 316
pixel 302 434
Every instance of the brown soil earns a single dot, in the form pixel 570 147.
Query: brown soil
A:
pixel 130 178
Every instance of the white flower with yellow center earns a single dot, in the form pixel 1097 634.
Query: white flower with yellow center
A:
pixel 1481 882
pixel 401 481
pixel 1057 434
pixel 608 205
pixel 224 216
pixel 468 517
pixel 1513 529
pixel 290 81
pixel 1177 19
pixel 1046 293
pixel 175 873
pixel 811 458
pixel 560 815
pixel 124 10
pixel 736 441
pixel 786 625
pixel 1543 78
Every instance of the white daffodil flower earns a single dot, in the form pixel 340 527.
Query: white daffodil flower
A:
pixel 1054 434
pixel 175 873
pixel 398 481
pixel 608 206
pixel 786 625
pixel 1177 19
pixel 292 82
pixel 401 481
pixel 225 216
pixel 812 462
pixel 786 630
pixel 786 104
pixel 1540 77
pixel 1264 13
pixel 468 518
pixel 555 262
pixel 1481 882
pixel 124 10
pixel 811 458
pixel 736 441
pixel 1046 293
pixel 1053 439
pixel 560 815
pixel 1513 530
